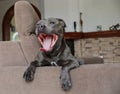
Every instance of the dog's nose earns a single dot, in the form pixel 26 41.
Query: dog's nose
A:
pixel 42 27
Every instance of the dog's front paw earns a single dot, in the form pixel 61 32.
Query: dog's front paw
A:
pixel 65 82
pixel 29 75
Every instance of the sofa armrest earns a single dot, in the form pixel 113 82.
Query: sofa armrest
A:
pixel 11 54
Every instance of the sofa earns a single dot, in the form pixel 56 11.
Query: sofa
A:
pixel 15 56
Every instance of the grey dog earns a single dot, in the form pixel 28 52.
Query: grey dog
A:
pixel 54 51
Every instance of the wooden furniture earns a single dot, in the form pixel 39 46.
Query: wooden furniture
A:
pixel 84 35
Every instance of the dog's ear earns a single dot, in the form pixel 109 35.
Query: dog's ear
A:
pixel 62 22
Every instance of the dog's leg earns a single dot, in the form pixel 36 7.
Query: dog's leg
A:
pixel 65 75
pixel 29 73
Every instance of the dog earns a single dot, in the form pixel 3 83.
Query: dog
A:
pixel 54 51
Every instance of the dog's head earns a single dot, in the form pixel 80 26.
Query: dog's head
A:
pixel 50 33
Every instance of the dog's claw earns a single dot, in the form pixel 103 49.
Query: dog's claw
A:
pixel 28 75
pixel 66 85
pixel 65 82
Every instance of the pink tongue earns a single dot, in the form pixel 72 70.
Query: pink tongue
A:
pixel 47 43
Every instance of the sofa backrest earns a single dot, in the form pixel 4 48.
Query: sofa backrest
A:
pixel 25 20
pixel 11 54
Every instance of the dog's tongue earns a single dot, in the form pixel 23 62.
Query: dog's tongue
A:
pixel 47 44
pixel 47 41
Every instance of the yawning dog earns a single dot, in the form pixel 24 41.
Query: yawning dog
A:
pixel 54 51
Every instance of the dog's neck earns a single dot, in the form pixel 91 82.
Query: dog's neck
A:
pixel 57 52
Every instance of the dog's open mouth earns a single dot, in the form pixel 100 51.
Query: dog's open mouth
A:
pixel 47 41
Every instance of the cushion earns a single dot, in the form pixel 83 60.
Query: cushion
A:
pixel 25 20
pixel 11 54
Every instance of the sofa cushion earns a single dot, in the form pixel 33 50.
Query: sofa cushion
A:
pixel 87 79
pixel 11 54
pixel 92 60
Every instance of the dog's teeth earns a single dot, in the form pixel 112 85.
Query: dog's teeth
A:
pixel 40 40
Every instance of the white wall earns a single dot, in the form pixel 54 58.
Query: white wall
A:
pixel 65 9
pixel 100 12
pixel 95 12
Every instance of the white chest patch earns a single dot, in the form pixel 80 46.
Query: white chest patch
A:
pixel 53 63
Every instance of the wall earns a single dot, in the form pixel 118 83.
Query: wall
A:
pixel 65 9
pixel 99 12
pixel 95 12
pixel 6 4
pixel 108 48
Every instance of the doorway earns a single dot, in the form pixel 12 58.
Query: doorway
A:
pixel 7 26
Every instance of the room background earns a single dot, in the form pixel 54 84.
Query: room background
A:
pixel 104 13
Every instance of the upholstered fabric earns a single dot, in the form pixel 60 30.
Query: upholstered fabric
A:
pixel 93 60
pixel 87 79
pixel 25 20
pixel 11 54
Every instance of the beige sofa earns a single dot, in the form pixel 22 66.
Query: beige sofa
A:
pixel 15 57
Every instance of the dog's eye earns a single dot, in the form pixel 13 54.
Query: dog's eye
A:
pixel 52 23
pixel 37 24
